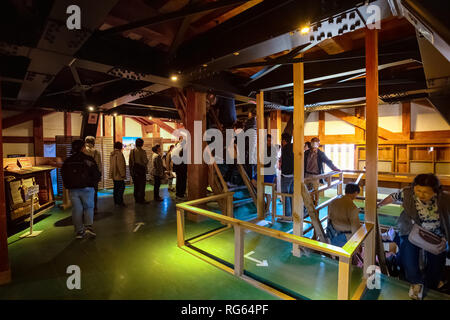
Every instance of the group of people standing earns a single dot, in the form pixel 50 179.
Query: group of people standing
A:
pixel 82 171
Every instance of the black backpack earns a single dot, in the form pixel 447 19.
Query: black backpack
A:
pixel 79 172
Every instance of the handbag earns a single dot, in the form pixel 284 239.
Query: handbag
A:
pixel 426 240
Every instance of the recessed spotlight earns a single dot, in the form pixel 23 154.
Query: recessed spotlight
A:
pixel 91 108
pixel 304 29
pixel 174 78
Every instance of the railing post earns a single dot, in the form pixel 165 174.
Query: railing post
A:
pixel 341 179
pixel 274 203
pixel 238 251
pixel 180 227
pixel 230 209
pixel 344 278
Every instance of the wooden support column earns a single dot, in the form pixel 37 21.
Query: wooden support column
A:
pixel 118 128
pixel 275 123
pixel 5 271
pixel 260 155
pixel 155 128
pixel 99 126
pixel 67 124
pixel 107 126
pixel 197 180
pixel 406 120
pixel 298 136
pixel 371 41
pixel 38 136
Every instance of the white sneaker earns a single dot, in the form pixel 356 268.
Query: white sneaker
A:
pixel 416 291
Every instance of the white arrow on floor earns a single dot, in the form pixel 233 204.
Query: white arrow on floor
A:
pixel 258 263
pixel 138 225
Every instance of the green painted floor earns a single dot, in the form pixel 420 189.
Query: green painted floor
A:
pixel 121 264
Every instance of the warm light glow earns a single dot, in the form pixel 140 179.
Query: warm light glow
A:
pixel 91 108
pixel 174 78
pixel 115 114
pixel 236 53
pixel 304 29
pixel 205 65
pixel 150 118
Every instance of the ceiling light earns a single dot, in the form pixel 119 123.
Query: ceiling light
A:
pixel 91 108
pixel 205 65
pixel 236 53
pixel 174 78
pixel 150 118
pixel 115 114
pixel 304 30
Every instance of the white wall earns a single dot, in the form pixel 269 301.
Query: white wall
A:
pixel 164 134
pixel 132 128
pixel 312 124
pixel 335 126
pixel 18 148
pixel 22 130
pixel 390 117
pixel 53 125
pixel 76 120
pixel 426 119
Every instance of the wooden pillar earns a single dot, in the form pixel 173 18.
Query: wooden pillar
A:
pixel 371 41
pixel 38 136
pixel 275 123
pixel 321 125
pixel 156 131
pixel 118 128
pixel 197 180
pixel 67 124
pixel 99 126
pixel 406 120
pixel 298 136
pixel 107 126
pixel 5 271
pixel 260 154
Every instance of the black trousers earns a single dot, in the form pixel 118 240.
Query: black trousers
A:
pixel 119 188
pixel 181 172
pixel 156 187
pixel 139 188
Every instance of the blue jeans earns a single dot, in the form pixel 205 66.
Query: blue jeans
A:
pixel 409 260
pixel 287 186
pixel 82 207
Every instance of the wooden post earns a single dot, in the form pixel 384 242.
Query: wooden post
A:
pixel 406 120
pixel 275 123
pixel 371 182
pixel 38 136
pixel 100 125
pixel 230 208
pixel 260 146
pixel 344 279
pixel 107 126
pixel 67 124
pixel 180 228
pixel 5 271
pixel 238 251
pixel 298 136
pixel 197 173
pixel 118 128
pixel 359 133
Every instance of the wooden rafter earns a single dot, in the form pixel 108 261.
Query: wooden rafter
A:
pixel 361 123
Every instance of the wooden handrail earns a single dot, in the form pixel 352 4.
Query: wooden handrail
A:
pixel 356 240
pixel 321 176
pixel 302 241
pixel 207 199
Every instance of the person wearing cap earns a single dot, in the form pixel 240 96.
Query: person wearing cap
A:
pixel 90 150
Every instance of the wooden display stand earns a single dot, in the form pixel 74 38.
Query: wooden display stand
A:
pixel 21 174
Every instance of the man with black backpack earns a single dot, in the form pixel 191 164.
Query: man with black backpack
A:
pixel 80 175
